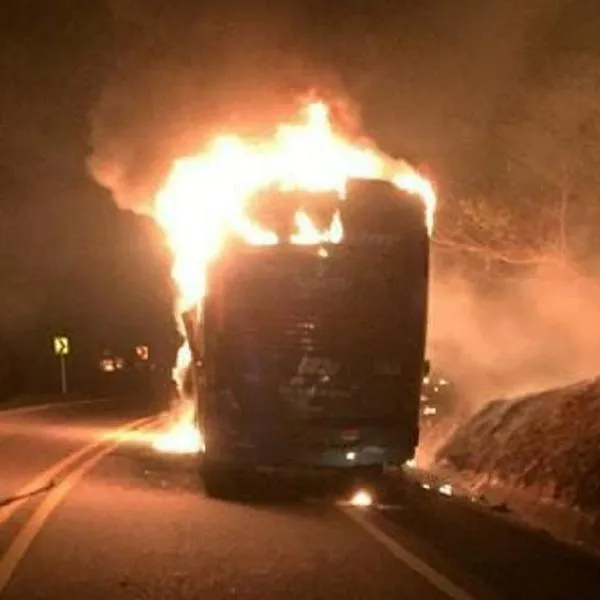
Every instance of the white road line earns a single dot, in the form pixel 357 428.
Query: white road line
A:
pixel 436 579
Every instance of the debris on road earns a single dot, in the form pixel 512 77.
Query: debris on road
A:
pixel 18 498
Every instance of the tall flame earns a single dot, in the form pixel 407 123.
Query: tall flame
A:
pixel 205 196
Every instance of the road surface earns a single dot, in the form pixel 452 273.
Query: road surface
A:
pixel 87 519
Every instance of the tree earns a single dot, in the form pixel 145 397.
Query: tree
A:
pixel 542 206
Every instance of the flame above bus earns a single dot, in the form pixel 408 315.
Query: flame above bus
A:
pixel 206 196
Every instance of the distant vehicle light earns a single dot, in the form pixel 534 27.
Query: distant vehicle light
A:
pixel 107 365
pixel 429 411
pixel 350 455
pixel 142 352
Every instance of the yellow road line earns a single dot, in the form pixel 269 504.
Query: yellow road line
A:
pixel 33 526
pixel 45 478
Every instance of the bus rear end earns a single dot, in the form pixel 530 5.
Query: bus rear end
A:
pixel 313 355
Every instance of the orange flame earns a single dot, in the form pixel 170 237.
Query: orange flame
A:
pixel 205 197
pixel 181 436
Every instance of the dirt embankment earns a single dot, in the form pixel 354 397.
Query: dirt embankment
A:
pixel 538 454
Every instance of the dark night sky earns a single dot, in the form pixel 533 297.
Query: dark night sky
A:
pixel 133 83
pixel 70 260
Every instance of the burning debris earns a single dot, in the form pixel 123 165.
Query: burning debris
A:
pixel 361 498
pixel 445 489
pixel 208 200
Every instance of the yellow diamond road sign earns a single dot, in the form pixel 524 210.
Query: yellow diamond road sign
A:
pixel 61 346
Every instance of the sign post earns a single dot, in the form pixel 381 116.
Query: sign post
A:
pixel 61 349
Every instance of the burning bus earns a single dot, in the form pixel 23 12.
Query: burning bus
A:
pixel 309 352
pixel 300 260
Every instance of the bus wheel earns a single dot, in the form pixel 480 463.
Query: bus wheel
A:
pixel 220 482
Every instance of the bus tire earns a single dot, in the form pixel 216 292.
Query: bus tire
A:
pixel 220 482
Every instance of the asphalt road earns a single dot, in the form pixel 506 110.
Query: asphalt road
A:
pixel 83 518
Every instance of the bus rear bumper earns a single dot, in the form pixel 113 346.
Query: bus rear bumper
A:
pixel 290 459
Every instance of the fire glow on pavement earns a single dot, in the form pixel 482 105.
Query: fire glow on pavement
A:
pixel 181 438
pixel 181 435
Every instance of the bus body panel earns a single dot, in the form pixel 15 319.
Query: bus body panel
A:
pixel 312 357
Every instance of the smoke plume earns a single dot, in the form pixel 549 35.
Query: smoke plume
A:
pixel 182 76
pixel 433 83
pixel 531 333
